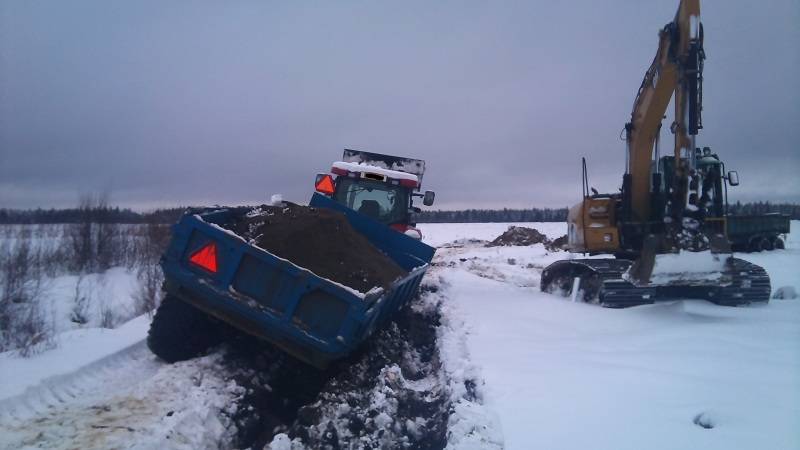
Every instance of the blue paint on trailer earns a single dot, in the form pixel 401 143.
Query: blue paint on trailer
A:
pixel 312 318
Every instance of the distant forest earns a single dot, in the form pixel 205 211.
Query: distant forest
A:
pixel 102 214
pixel 560 215
pixel 93 214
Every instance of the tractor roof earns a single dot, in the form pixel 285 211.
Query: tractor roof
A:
pixel 352 167
pixel 389 162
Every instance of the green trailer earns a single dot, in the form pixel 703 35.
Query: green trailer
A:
pixel 757 233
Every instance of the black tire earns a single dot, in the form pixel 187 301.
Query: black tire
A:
pixel 180 331
pixel 758 244
pixel 778 244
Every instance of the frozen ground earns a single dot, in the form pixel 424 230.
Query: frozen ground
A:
pixel 521 369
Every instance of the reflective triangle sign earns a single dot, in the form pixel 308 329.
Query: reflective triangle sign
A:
pixel 206 257
pixel 325 185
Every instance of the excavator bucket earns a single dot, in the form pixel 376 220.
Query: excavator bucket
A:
pixel 642 269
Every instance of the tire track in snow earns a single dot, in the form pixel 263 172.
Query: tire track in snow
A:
pixel 125 400
pixel 132 362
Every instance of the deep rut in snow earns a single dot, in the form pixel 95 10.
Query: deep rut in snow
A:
pixel 390 394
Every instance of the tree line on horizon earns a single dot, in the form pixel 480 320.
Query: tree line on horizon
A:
pixel 109 214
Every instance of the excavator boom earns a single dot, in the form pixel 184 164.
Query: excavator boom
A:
pixel 676 69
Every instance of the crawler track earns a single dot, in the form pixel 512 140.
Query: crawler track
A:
pixel 603 280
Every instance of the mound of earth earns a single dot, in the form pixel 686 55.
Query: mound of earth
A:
pixel 521 236
pixel 524 236
pixel 321 241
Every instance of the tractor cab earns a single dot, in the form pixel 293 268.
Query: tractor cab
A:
pixel 382 187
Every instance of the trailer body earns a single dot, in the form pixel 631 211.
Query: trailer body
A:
pixel 312 318
pixel 757 232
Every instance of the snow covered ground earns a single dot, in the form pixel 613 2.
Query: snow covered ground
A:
pixel 562 375
pixel 525 369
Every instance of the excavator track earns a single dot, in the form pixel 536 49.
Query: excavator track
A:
pixel 603 281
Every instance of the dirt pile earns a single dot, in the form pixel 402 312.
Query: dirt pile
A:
pixel 519 236
pixel 524 236
pixel 321 241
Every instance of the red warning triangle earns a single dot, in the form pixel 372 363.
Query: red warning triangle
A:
pixel 325 185
pixel 206 257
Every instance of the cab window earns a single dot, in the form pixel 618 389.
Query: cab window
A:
pixel 380 201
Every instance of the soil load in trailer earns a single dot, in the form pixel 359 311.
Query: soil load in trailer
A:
pixel 321 241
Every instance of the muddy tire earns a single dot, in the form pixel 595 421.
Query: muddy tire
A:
pixel 180 331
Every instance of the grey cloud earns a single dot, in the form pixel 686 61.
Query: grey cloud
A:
pixel 204 102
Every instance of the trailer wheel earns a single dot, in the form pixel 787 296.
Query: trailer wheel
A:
pixel 180 331
pixel 778 244
pixel 758 244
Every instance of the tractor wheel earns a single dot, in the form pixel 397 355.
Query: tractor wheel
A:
pixel 180 331
pixel 766 244
pixel 778 244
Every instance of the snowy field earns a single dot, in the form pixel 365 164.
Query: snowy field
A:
pixel 562 375
pixel 525 369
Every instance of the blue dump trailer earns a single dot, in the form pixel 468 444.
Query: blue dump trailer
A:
pixel 314 319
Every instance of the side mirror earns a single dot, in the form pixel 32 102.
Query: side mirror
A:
pixel 733 178
pixel 427 199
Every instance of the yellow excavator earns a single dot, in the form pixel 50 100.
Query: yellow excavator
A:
pixel 667 207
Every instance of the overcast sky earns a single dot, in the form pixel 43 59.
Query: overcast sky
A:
pixel 167 103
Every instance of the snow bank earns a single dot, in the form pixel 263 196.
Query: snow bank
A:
pixel 76 348
pixel 471 424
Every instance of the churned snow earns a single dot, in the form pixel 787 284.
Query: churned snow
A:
pixel 683 266
pixel 129 400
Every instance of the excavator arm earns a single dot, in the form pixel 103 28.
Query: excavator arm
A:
pixel 676 69
pixel 676 72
